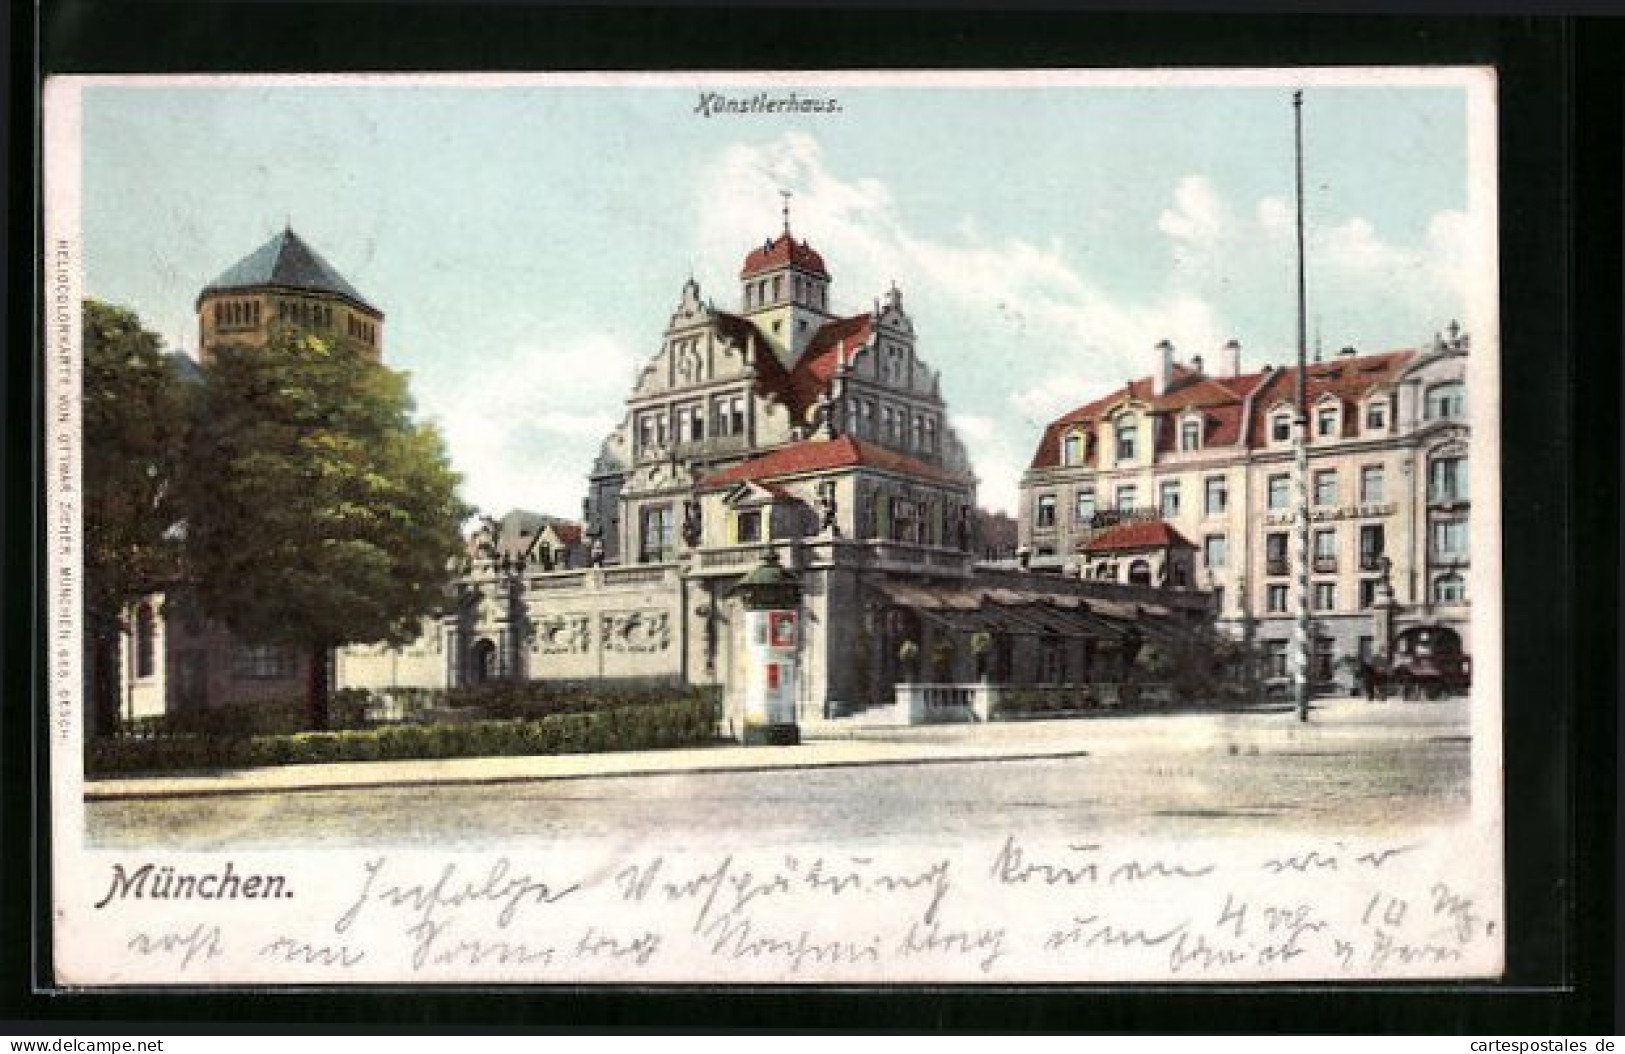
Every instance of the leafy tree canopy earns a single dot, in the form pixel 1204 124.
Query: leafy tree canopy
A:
pixel 319 512
pixel 135 414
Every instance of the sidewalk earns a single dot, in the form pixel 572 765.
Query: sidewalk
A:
pixel 1343 723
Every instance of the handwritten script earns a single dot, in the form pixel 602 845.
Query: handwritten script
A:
pixel 1007 910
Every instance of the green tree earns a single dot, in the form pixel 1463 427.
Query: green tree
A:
pixel 319 512
pixel 135 415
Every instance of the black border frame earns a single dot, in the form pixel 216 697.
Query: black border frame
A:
pixel 1559 754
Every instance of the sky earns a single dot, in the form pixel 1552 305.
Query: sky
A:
pixel 528 243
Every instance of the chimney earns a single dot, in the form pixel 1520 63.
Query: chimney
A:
pixel 1347 352
pixel 1230 359
pixel 1165 367
pixel 1196 363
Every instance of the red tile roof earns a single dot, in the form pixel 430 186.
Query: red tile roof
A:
pixel 781 251
pixel 1221 400
pixel 817 455
pixel 1142 534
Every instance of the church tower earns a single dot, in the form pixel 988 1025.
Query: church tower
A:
pixel 283 284
pixel 785 292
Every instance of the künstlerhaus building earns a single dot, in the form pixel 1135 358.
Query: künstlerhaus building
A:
pixel 786 426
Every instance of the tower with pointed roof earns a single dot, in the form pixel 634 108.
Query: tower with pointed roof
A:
pixel 784 290
pixel 285 284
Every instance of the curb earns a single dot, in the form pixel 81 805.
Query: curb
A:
pixel 92 794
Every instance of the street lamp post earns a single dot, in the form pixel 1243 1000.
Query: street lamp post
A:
pixel 1300 436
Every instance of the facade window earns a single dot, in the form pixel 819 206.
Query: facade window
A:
pixel 906 524
pixel 1214 551
pixel 1168 499
pixel 1449 589
pixel 1326 420
pixel 1447 479
pixel 1325 596
pixel 655 534
pixel 261 661
pixel 748 526
pixel 1083 510
pixel 1275 558
pixel 1044 514
pixel 1281 427
pixel 1127 430
pixel 1323 659
pixel 1448 538
pixel 1368 592
pixel 1446 401
pixel 1139 573
pixel 1128 497
pixel 1280 490
pixel 931 434
pixel 1370 484
pixel 646 431
pixel 1371 546
pixel 1376 416
pixel 1275 599
pixel 918 432
pixel 1326 550
pixel 1215 495
pixel 146 641
pixel 1190 434
pixel 690 423
pixel 1326 486
pixel 1275 658
pixel 1072 449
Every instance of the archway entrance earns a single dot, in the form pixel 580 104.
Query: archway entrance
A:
pixel 482 661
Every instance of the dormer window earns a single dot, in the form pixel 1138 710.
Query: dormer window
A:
pixel 1328 420
pixel 1072 449
pixel 1376 416
pixel 1190 433
pixel 1281 426
pixel 1127 430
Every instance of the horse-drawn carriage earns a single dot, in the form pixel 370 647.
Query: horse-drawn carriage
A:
pixel 1426 662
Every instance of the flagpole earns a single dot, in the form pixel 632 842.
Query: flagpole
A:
pixel 1300 431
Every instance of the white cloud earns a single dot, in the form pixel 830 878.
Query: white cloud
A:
pixel 1019 332
pixel 1198 215
pixel 525 427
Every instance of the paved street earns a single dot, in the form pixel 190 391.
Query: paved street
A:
pixel 1356 768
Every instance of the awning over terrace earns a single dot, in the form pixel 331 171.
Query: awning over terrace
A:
pixel 970 609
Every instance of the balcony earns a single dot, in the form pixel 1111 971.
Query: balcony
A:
pixel 1371 561
pixel 1277 565
pixel 1325 565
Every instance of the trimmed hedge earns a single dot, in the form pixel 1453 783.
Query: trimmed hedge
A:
pixel 532 700
pixel 267 717
pixel 1019 702
pixel 689 722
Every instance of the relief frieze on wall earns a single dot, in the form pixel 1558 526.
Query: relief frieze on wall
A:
pixel 562 635
pixel 635 631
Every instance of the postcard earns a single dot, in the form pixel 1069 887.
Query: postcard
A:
pixel 994 527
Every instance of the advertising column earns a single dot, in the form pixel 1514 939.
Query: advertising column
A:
pixel 772 601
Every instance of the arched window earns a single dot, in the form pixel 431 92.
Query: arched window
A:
pixel 146 641
pixel 1449 589
pixel 1139 573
